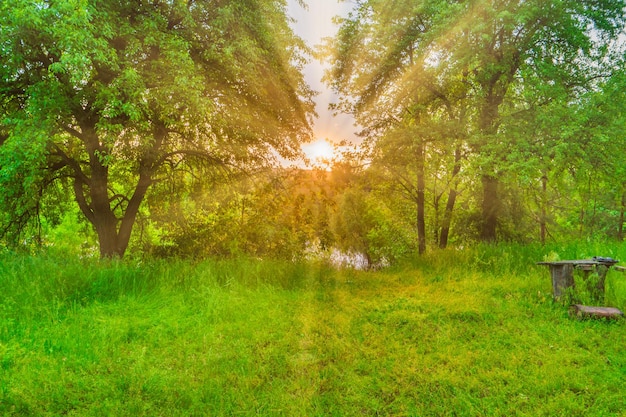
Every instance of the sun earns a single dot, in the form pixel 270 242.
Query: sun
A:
pixel 320 152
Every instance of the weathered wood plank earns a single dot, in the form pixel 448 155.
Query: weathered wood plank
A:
pixel 562 278
pixel 580 311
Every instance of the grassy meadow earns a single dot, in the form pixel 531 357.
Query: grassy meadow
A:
pixel 461 333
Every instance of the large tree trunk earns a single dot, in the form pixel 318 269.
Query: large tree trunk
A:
pixel 97 207
pixel 104 220
pixel 495 88
pixel 107 238
pixel 114 234
pixel 92 195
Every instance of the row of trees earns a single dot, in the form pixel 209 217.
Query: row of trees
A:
pixel 159 123
pixel 485 96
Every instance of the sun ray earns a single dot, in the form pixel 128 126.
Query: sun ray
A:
pixel 319 153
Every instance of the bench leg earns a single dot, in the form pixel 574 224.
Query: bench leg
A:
pixel 562 279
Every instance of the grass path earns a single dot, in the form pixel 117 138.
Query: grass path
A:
pixel 206 339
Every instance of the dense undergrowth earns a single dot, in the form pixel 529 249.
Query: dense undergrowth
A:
pixel 456 332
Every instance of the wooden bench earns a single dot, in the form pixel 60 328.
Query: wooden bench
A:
pixel 562 274
pixel 588 312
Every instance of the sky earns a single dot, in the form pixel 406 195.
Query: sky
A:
pixel 313 25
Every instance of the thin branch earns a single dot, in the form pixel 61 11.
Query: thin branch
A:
pixel 82 201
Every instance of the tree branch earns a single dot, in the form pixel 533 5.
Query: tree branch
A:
pixel 70 162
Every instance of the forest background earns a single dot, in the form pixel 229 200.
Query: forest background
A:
pixel 156 128
pixel 153 134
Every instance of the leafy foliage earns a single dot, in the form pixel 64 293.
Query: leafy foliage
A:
pixel 487 68
pixel 115 95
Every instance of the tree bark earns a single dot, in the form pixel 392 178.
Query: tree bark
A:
pixel 130 216
pixel 447 219
pixel 447 216
pixel 495 87
pixel 102 217
pixel 92 192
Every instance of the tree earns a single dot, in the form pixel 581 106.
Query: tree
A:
pixel 403 156
pixel 609 109
pixel 111 97
pixel 379 69
pixel 504 44
pixel 601 163
pixel 393 56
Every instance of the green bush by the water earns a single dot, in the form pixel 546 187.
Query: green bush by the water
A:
pixel 458 332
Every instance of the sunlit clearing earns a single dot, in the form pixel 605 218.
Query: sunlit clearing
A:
pixel 319 153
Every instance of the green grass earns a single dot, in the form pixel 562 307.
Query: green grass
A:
pixel 463 333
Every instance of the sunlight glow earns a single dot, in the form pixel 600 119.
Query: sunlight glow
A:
pixel 320 152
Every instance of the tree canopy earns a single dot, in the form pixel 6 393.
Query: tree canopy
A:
pixel 108 97
pixel 472 64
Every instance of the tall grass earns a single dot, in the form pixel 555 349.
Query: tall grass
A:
pixel 470 332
